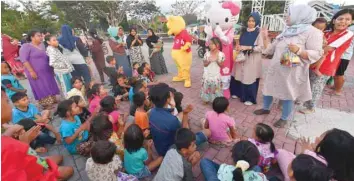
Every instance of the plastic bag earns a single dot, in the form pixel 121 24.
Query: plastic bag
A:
pixel 289 59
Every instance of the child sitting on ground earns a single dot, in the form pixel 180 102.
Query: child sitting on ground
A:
pixel 73 133
pixel 135 69
pixel 121 88
pixel 151 74
pixel 9 81
pixel 222 126
pixel 24 109
pixel 103 164
pixel 141 115
pixel 95 95
pixel 78 89
pixel 262 137
pixel 138 161
pixel 180 158
pixel 178 96
pixel 43 138
pixel 305 167
pixel 109 106
pixel 245 156
pixel 110 70
pixel 144 75
pixel 84 112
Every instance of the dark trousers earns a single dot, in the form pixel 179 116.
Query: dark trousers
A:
pixel 43 139
pixel 82 70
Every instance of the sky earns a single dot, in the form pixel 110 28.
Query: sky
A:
pixel 165 5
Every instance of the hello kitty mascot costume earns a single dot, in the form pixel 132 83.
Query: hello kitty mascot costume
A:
pixel 220 21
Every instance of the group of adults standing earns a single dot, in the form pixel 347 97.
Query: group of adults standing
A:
pixel 41 77
pixel 296 82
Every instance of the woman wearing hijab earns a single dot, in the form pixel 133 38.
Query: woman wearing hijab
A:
pixel 117 44
pixel 97 53
pixel 10 52
pixel 338 40
pixel 40 75
pixel 76 52
pixel 290 83
pixel 157 60
pixel 247 73
pixel 134 44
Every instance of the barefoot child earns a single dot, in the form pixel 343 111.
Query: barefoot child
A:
pixel 211 82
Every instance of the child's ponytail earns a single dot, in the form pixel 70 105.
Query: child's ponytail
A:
pixel 238 176
pixel 241 166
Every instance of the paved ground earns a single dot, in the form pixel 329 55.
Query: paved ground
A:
pixel 333 111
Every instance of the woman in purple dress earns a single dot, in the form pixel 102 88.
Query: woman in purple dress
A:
pixel 40 75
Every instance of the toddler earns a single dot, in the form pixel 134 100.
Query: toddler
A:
pixel 84 112
pixel 61 65
pixel 9 82
pixel 24 109
pixel 73 133
pixel 135 69
pixel 43 138
pixel 103 164
pixel 138 161
pixel 211 81
pixel 77 90
pixel 245 156
pixel 121 88
pixel 109 106
pixel 180 158
pixel 95 95
pixel 262 138
pixel 148 68
pixel 305 167
pixel 321 24
pixel 222 126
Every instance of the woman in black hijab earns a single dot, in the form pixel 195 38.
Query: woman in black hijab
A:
pixel 157 60
pixel 134 43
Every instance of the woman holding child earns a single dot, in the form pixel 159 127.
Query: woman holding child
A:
pixel 290 81
pixel 157 60
pixel 117 42
pixel 248 72
pixel 40 75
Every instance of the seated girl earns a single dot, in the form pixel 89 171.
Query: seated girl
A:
pixel 84 112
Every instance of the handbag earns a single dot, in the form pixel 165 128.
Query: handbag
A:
pixel 289 59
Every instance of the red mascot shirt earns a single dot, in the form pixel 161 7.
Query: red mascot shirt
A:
pixel 181 39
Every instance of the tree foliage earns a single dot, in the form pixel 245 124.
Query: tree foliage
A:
pixel 184 7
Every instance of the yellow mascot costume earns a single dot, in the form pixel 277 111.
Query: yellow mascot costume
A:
pixel 181 51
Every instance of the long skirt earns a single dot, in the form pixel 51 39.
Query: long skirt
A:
pixel 211 89
pixel 243 91
pixel 158 64
pixel 136 55
pixel 122 60
pixel 64 82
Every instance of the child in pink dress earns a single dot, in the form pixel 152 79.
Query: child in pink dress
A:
pixel 95 95
pixel 222 126
pixel 109 106
pixel 262 138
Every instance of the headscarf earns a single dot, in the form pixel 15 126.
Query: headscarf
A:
pixel 152 39
pixel 301 17
pixel 113 32
pixel 130 39
pixel 249 38
pixel 67 39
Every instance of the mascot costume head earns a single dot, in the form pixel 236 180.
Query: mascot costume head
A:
pixel 220 21
pixel 181 50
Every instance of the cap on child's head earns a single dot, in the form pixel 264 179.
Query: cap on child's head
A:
pixel 220 104
pixel 109 59
pixel 184 138
pixel 306 167
pixel 18 96
pixel 27 123
pixel 103 151
pixel 141 70
pixel 139 99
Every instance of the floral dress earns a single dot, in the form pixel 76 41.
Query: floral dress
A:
pixel 211 81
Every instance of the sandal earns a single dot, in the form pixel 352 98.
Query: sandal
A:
pixel 280 123
pixel 261 112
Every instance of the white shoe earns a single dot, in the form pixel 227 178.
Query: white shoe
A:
pixel 234 97
pixel 248 103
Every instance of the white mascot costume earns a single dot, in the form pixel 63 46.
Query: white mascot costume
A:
pixel 220 21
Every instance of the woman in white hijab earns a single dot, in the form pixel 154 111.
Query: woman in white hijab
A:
pixel 289 80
